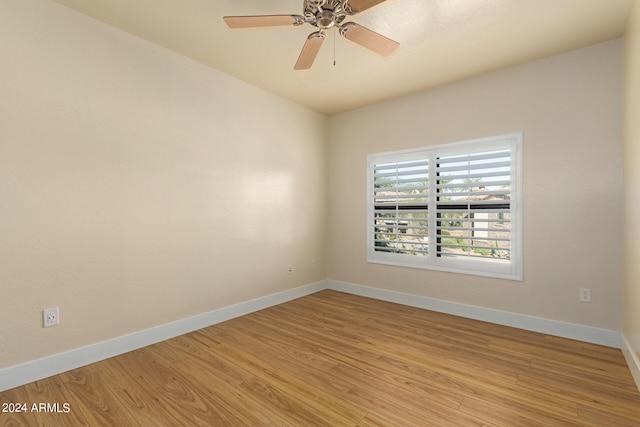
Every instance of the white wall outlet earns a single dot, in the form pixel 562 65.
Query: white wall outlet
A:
pixel 313 264
pixel 51 317
pixel 585 295
pixel 290 269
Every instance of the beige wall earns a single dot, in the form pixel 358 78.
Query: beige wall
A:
pixel 569 109
pixel 138 187
pixel 631 213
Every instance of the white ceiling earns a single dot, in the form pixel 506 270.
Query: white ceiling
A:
pixel 441 41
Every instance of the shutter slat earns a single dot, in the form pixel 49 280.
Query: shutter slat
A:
pixel 501 184
pixel 473 202
pixel 474 157
pixel 412 172
pixel 469 168
pixel 479 205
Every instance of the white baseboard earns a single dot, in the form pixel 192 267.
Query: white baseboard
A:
pixel 25 373
pixel 631 357
pixel 536 324
pixel 28 372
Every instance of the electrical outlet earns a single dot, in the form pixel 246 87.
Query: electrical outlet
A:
pixel 290 268
pixel 585 295
pixel 51 317
pixel 313 264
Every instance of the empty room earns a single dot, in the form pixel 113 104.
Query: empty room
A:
pixel 320 212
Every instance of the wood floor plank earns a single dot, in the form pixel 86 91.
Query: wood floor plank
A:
pixel 406 409
pixel 504 392
pixel 335 359
pixel 289 355
pixel 582 393
pixel 504 414
pixel 132 398
pixel 593 417
pixel 184 399
pixel 332 409
pixel 54 390
pixel 373 420
pixel 89 384
pixel 203 360
pixel 293 410
pixel 616 380
pixel 549 352
pixel 253 332
pixel 418 393
pixel 234 398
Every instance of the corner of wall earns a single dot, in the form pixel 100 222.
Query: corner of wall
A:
pixel 631 200
pixel 632 360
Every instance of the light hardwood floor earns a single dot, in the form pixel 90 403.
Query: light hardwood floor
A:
pixel 341 360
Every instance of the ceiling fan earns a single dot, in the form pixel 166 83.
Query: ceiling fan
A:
pixel 323 14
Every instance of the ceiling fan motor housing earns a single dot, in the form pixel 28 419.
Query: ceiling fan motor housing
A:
pixel 326 14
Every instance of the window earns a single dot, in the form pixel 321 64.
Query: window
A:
pixel 453 207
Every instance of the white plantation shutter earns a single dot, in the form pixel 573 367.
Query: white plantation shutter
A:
pixel 453 207
pixel 400 197
pixel 473 204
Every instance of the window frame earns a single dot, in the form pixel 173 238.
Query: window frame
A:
pixel 511 269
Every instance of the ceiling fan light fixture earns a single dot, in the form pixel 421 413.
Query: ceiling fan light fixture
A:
pixel 326 20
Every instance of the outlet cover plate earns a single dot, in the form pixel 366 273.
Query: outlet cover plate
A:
pixel 51 317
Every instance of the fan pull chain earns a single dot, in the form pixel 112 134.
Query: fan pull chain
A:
pixel 334 46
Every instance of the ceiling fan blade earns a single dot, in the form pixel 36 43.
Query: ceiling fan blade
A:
pixel 368 39
pixel 360 5
pixel 262 20
pixel 309 51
